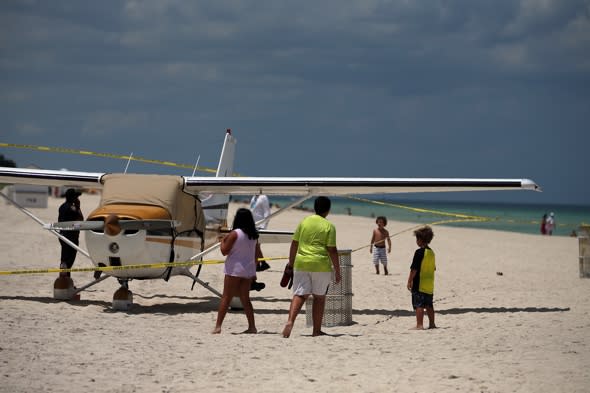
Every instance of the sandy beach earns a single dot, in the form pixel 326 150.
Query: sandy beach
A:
pixel 525 330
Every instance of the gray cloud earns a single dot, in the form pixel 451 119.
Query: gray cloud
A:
pixel 408 88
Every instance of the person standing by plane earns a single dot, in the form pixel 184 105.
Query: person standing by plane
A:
pixel 69 211
pixel 260 208
pixel 312 255
pixel 242 249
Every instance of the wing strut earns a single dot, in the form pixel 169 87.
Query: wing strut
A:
pixel 82 288
pixel 194 276
pixel 60 236
pixel 297 202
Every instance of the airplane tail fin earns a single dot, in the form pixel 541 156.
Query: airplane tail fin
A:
pixel 215 206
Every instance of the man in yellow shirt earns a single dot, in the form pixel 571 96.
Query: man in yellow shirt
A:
pixel 312 255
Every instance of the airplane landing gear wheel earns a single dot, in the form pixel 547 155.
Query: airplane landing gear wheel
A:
pixel 122 299
pixel 63 288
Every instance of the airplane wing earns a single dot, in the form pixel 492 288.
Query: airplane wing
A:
pixel 330 186
pixel 339 186
pixel 46 177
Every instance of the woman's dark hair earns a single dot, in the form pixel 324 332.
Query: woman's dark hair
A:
pixel 322 205
pixel 243 220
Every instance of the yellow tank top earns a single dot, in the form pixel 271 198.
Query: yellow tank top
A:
pixel 427 269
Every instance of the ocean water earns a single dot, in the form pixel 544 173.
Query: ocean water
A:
pixel 497 216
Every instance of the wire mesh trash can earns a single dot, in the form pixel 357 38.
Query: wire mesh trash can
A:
pixel 584 244
pixel 338 311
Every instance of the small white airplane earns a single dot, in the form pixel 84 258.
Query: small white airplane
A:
pixel 148 219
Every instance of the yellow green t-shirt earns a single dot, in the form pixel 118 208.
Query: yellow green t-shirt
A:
pixel 424 264
pixel 314 234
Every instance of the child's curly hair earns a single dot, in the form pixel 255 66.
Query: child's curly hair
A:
pixel 381 218
pixel 425 234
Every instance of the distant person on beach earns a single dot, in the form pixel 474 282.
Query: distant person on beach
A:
pixel 242 249
pixel 550 224
pixel 421 278
pixel 260 208
pixel 312 255
pixel 69 211
pixel 544 224
pixel 378 240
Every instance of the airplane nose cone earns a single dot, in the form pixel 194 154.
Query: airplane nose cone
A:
pixel 111 225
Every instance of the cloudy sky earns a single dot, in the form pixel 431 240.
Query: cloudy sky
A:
pixel 400 88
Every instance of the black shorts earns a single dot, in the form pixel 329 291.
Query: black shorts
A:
pixel 421 300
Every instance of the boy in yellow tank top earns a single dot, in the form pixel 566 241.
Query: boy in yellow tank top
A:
pixel 421 279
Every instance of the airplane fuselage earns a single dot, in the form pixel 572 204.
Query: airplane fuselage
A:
pixel 113 246
pixel 139 248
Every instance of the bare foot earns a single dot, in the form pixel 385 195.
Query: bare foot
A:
pixel 385 271
pixel 319 334
pixel 432 327
pixel 417 328
pixel 217 330
pixel 287 329
pixel 250 331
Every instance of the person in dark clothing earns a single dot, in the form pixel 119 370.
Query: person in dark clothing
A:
pixel 69 211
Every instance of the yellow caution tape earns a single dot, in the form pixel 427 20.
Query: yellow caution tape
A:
pixel 458 217
pixel 420 210
pixel 467 217
pixel 111 268
pixel 158 265
pixel 441 222
pixel 104 155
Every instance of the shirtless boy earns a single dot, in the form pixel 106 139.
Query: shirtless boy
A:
pixel 378 240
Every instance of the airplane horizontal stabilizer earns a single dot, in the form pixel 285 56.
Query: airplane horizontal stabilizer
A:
pixel 124 224
pixel 75 226
pixel 148 224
